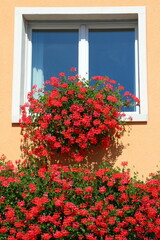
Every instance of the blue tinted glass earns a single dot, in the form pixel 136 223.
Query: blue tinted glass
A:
pixel 53 51
pixel 112 53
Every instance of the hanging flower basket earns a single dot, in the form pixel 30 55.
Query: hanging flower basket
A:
pixel 70 115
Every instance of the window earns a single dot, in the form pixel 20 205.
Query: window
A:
pixel 98 41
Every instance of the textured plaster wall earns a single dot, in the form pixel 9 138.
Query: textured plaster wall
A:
pixel 141 141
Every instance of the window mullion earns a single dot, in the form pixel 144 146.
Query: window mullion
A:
pixel 83 52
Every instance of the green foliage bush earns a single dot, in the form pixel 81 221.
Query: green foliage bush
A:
pixel 63 202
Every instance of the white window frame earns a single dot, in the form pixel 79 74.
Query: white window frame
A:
pixel 23 46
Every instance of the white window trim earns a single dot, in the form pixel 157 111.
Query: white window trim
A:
pixel 22 70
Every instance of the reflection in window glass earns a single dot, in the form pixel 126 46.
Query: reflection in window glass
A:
pixel 53 51
pixel 112 52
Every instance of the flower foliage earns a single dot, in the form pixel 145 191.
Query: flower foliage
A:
pixel 62 202
pixel 73 116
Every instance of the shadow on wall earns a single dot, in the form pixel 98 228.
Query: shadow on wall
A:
pixel 97 154
pixel 94 156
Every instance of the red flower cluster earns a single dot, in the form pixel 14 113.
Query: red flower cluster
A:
pixel 64 202
pixel 73 116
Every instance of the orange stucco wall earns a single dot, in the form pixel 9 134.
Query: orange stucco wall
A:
pixel 141 142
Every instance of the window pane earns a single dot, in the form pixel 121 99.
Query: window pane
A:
pixel 112 53
pixel 53 51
